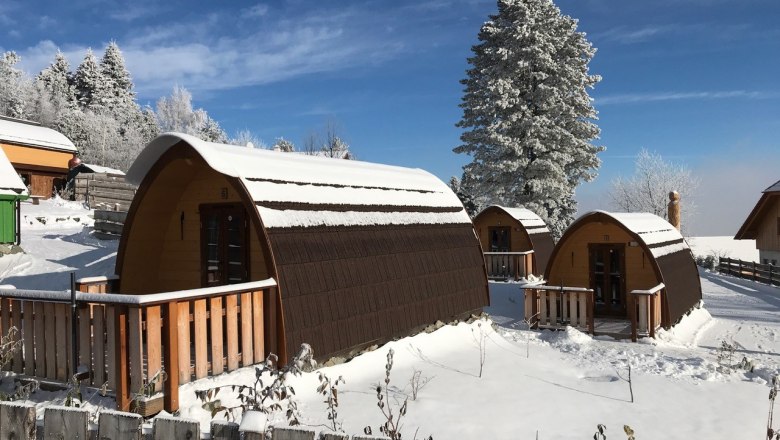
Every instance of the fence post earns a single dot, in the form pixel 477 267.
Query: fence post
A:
pixel 171 341
pixel 754 271
pixel 740 269
pixel 632 307
pixel 770 275
pixel 651 324
pixel 74 326
pixel 120 349
pixel 590 311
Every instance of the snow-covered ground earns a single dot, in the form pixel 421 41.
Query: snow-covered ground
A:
pixel 559 384
pixel 724 247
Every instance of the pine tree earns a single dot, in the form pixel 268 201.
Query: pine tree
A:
pixel 89 82
pixel 117 92
pixel 56 80
pixel 14 87
pixel 527 115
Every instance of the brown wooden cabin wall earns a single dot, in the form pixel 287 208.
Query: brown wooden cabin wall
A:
pixel 518 240
pixel 570 266
pixel 767 237
pixel 157 257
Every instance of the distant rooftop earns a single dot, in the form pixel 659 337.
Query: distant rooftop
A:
pixel 21 132
pixel 774 188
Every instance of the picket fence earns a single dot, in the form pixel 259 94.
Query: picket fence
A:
pixel 18 421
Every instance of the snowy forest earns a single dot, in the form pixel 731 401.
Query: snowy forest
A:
pixel 96 107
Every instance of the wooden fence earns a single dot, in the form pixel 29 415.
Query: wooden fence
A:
pixel 18 421
pixel 556 307
pixel 109 224
pixel 142 346
pixel 646 316
pixel 104 191
pixel 508 265
pixel 763 273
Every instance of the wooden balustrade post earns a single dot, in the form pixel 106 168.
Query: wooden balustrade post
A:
pixel 633 312
pixel 651 325
pixel 171 354
pixel 591 326
pixel 120 349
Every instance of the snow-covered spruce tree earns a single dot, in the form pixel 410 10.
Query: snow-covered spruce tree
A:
pixel 117 91
pixel 528 119
pixel 89 82
pixel 14 87
pixel 57 82
pixel 466 199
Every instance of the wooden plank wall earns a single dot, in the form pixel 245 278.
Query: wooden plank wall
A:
pixel 768 237
pixel 104 191
pixel 572 261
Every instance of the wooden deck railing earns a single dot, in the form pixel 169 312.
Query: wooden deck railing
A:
pixel 508 265
pixel 559 306
pixel 646 316
pixel 126 340
pixel 763 273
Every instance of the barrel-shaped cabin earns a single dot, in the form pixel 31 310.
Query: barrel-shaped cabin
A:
pixel 628 260
pixel 360 252
pixel 516 242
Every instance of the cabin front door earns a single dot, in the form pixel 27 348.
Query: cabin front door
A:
pixel 608 280
pixel 224 244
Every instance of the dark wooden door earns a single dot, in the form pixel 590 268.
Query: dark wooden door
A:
pixel 224 245
pixel 608 279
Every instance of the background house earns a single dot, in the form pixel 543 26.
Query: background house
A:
pixel 763 225
pixel 40 155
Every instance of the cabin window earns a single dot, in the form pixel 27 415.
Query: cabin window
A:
pixel 224 245
pixel 499 239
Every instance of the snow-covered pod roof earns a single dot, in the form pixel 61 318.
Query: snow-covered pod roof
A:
pixel 10 182
pixel 533 223
pixel 293 190
pixel 19 132
pixel 667 253
pixel 361 252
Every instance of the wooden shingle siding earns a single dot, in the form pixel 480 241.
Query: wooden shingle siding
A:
pixel 347 287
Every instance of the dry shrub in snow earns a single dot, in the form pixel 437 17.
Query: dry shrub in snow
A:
pixel 10 344
pixel 330 390
pixel 480 338
pixel 417 382
pixel 269 396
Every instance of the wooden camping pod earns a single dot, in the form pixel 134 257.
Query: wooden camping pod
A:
pixel 526 232
pixel 361 252
pixel 619 253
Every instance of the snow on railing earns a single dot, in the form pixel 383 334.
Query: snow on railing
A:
pixel 645 311
pixel 556 307
pixel 141 342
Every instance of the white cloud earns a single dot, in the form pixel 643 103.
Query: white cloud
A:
pixel 633 98
pixel 258 10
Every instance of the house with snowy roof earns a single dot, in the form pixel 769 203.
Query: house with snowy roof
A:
pixel 516 241
pixel 763 225
pixel 39 154
pixel 12 192
pixel 623 274
pixel 360 252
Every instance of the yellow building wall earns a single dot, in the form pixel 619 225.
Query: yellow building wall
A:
pixel 158 258
pixel 20 155
pixel 571 266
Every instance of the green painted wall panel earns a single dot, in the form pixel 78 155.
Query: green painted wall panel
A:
pixel 7 221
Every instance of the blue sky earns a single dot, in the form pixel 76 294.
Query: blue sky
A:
pixel 694 80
